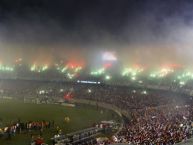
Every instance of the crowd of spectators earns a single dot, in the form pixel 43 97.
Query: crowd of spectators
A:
pixel 19 127
pixel 166 125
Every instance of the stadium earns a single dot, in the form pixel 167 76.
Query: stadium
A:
pixel 100 72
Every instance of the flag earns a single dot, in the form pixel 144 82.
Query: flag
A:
pixel 68 96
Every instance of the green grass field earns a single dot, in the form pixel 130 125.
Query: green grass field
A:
pixel 81 116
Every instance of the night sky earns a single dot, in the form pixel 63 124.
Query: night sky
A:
pixel 149 32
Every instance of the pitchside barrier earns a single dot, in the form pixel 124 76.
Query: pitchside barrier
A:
pixel 103 105
pixel 107 106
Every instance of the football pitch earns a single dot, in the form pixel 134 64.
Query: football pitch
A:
pixel 80 117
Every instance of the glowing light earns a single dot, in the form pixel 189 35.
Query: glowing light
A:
pixel 35 68
pixel 109 56
pixel 182 83
pixel 163 72
pixel 6 68
pixel 89 90
pixel 184 77
pixel 88 82
pixel 132 72
pixel 107 77
pixel 144 92
pixel 70 76
pixel 98 72
pixel 133 78
pixel 78 69
pixel 64 69
pixel 134 91
pixel 107 65
pixel 41 92
pixel 44 68
pixel 140 81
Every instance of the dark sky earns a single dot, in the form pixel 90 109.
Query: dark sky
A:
pixel 157 31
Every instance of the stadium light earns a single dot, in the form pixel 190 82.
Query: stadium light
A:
pixel 89 90
pixel 133 78
pixel 107 77
pixel 144 92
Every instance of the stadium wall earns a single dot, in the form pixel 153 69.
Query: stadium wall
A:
pixel 107 106
pixel 120 112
